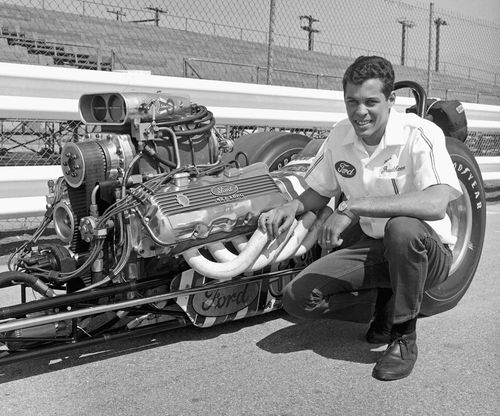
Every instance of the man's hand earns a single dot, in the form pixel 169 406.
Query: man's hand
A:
pixel 278 220
pixel 330 235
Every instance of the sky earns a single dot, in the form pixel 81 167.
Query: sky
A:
pixel 481 9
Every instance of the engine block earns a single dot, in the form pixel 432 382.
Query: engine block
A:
pixel 190 211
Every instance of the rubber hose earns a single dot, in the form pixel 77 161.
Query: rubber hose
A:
pixel 6 279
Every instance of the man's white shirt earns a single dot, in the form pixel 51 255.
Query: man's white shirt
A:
pixel 410 157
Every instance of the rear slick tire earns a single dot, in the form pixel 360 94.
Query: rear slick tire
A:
pixel 275 148
pixel 468 221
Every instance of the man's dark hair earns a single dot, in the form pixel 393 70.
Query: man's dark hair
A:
pixel 369 67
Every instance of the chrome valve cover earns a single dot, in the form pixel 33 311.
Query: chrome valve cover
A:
pixel 189 210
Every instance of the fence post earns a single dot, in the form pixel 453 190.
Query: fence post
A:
pixel 429 50
pixel 270 43
pixel 99 58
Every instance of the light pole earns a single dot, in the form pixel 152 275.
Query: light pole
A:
pixel 439 22
pixel 405 23
pixel 307 25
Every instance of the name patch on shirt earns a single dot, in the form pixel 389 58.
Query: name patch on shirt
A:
pixel 345 169
pixel 391 165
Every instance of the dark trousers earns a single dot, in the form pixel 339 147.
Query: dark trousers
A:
pixel 343 284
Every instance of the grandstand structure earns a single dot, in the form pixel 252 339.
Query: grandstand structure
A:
pixel 46 37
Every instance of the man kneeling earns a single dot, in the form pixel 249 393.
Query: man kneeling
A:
pixel 395 178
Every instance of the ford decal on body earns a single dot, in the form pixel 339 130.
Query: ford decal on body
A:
pixel 225 301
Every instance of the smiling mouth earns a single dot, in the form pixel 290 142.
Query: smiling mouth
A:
pixel 363 123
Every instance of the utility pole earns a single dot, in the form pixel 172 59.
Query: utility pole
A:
pixel 157 14
pixel 119 14
pixel 439 22
pixel 406 24
pixel 155 19
pixel 307 25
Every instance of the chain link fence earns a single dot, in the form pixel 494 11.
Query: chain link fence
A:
pixel 259 41
pixel 36 142
pixel 279 42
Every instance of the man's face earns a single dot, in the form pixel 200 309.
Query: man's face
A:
pixel 368 109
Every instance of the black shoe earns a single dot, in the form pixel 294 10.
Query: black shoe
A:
pixel 378 333
pixel 398 359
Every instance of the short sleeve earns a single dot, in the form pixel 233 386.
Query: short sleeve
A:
pixel 320 175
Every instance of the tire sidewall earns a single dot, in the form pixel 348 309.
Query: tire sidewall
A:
pixel 275 149
pixel 446 295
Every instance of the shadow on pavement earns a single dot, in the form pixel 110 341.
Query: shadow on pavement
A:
pixel 81 355
pixel 332 339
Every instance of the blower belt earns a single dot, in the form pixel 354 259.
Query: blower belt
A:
pixel 95 172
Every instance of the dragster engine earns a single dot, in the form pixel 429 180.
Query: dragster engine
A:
pixel 146 191
pixel 147 206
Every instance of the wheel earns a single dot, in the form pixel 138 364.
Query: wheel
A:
pixel 275 149
pixel 468 220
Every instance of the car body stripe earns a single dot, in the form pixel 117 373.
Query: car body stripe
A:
pixel 311 168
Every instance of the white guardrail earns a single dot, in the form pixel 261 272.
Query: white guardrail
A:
pixel 51 93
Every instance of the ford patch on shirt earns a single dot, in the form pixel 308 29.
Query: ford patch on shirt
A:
pixel 345 169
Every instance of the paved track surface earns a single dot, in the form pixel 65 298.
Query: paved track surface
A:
pixel 271 365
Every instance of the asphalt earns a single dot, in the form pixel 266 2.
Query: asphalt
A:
pixel 271 365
